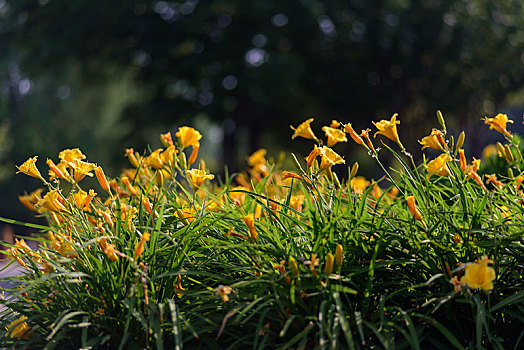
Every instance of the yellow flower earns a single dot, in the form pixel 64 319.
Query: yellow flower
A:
pixel 108 249
pixel 223 292
pixel 154 160
pixel 479 275
pixel 52 201
pixel 61 169
pixel 188 136
pixel 433 140
pixel 140 246
pixel 198 177
pixel 186 215
pixel 29 168
pixel 388 128
pixel 83 199
pixel 167 156
pixel 257 158
pixel 69 155
pixel 249 220
pixel 499 123
pixel 304 130
pixel 349 130
pixel 82 169
pixel 29 200
pixel 19 328
pixel 439 166
pixel 334 136
pixel 55 171
pixel 413 208
pixel 359 184
pixel 329 158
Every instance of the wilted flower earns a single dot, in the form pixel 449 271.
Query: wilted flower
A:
pixel 166 139
pixel 349 130
pixel 479 275
pixel 304 130
pixel 29 200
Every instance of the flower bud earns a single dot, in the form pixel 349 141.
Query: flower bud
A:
pixel 461 139
pixel 441 121
pixel 328 268
pixel 339 255
pixel 354 170
pixel 102 180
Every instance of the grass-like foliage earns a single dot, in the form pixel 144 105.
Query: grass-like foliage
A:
pixel 167 257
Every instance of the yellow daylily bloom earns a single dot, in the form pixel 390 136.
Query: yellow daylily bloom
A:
pixel 154 160
pixel 433 140
pixel 69 155
pixel 52 201
pixel 304 130
pixel 329 158
pixel 359 184
pixel 19 328
pixel 29 168
pixel 82 169
pixel 29 200
pixel 257 157
pixel 108 249
pixel 223 292
pixel 188 136
pixel 249 220
pixel 388 128
pixel 334 136
pixel 439 166
pixel 83 199
pixel 479 275
pixel 139 249
pixel 499 123
pixel 198 177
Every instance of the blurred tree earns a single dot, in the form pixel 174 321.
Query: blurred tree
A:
pixel 263 64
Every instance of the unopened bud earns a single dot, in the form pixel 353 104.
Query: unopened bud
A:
pixel 354 170
pixel 441 120
pixel 328 268
pixel 159 178
pixel 500 149
pixel 183 160
pixel 339 255
pixel 461 139
pixel 508 155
